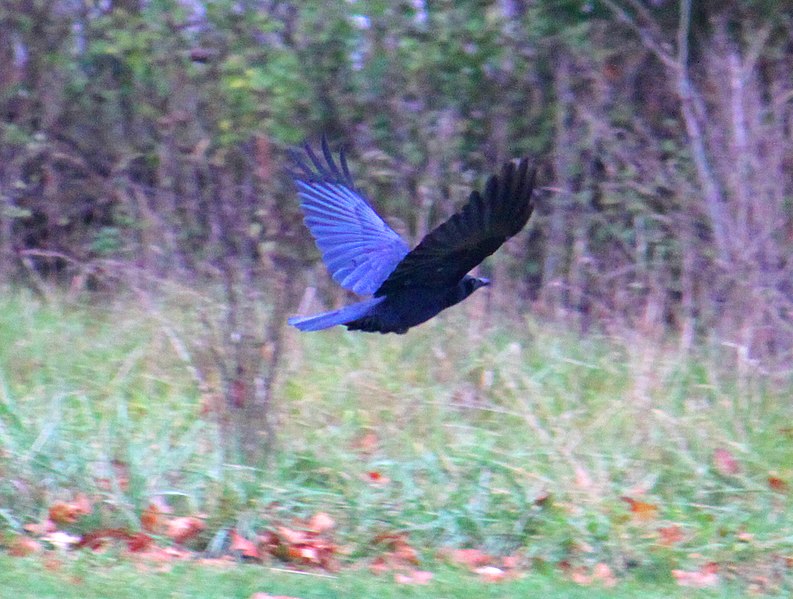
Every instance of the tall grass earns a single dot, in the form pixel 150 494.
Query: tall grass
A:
pixel 521 437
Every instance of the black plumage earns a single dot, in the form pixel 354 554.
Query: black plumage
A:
pixel 363 254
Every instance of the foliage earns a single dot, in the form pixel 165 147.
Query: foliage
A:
pixel 524 443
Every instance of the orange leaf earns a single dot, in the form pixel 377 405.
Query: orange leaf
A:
pixel 151 518
pixel 23 546
pixel 377 478
pixel 641 509
pixel 293 537
pixel 321 522
pixel 725 463
pixel 183 529
pixel 62 512
pixel 243 546
pixel 670 535
pixel 777 484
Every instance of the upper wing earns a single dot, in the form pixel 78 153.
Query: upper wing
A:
pixel 359 249
pixel 453 248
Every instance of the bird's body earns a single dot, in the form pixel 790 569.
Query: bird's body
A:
pixel 364 255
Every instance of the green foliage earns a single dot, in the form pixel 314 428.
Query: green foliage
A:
pixel 469 442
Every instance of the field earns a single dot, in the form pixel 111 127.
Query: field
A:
pixel 602 464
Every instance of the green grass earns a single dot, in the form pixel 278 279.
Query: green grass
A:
pixel 100 576
pixel 473 429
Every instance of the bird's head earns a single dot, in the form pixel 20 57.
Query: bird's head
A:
pixel 471 284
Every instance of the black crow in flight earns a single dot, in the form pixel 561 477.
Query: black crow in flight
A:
pixel 364 255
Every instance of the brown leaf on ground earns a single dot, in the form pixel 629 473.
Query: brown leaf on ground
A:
pixel 706 577
pixel 777 484
pixel 641 510
pixel 139 542
pixel 242 546
pixel 40 528
pixel 181 530
pixel 397 554
pixel 725 463
pixel 68 512
pixel 22 546
pixel 670 535
pixel 470 558
pixel 321 522
pixel 413 577
pixel 153 517
pixel 306 546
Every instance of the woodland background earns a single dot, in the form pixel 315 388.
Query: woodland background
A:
pixel 614 412
pixel 143 141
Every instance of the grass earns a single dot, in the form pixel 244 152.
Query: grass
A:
pixel 523 438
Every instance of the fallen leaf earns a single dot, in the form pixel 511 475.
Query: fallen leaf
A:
pixel 321 522
pixel 706 577
pixel 604 575
pixel 152 519
pixel 139 542
pixel 377 478
pixel 41 528
pixel 413 577
pixel 670 535
pixel 725 463
pixel 291 536
pixel 641 509
pixel 777 484
pixel 68 512
pixel 23 546
pixel 181 530
pixel 242 546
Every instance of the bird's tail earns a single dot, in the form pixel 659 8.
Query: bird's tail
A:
pixel 340 316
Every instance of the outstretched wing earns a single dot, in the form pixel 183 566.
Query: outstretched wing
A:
pixel 359 249
pixel 453 248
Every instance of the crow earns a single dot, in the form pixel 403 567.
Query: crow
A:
pixel 366 256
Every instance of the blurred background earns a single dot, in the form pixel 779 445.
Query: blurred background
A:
pixel 146 138
pixel 620 395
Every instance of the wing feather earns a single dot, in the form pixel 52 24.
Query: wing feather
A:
pixel 359 249
pixel 453 248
